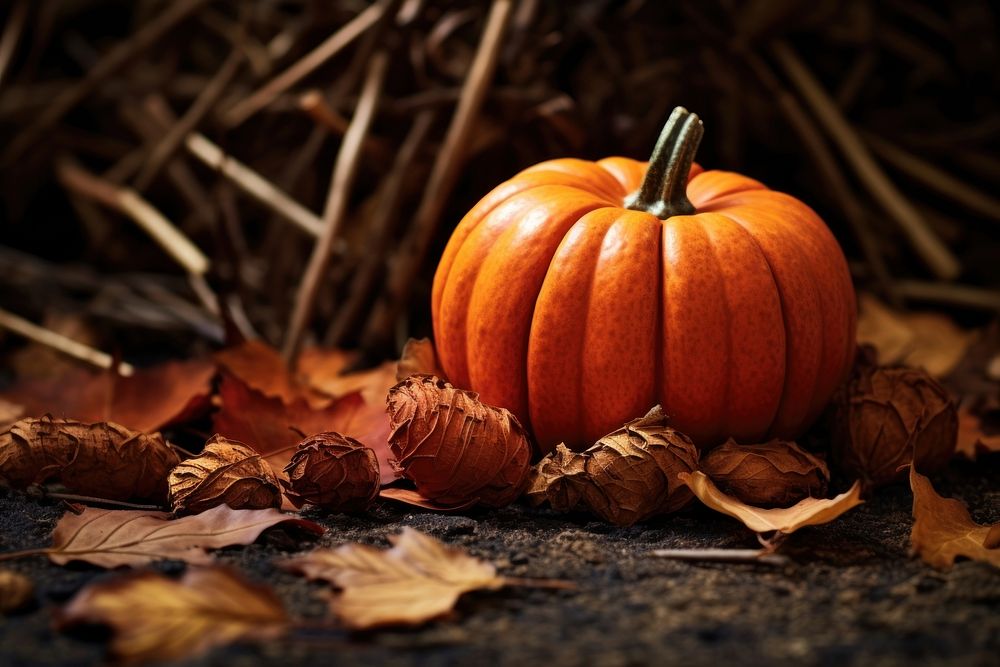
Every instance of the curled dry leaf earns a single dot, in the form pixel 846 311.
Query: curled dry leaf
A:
pixel 225 473
pixel 417 580
pixel 146 401
pixel 889 417
pixel 808 512
pixel 334 472
pixel 16 590
pixel 104 460
pixel 629 475
pixel 115 538
pixel 776 473
pixel 943 530
pixel 418 358
pixel 155 618
pixel 455 448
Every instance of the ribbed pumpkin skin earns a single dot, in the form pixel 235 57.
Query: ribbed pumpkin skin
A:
pixel 577 314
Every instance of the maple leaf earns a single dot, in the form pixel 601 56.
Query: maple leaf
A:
pixel 105 459
pixel 155 618
pixel 115 538
pixel 972 440
pixel 416 580
pixel 943 530
pixel 149 400
pixel 808 512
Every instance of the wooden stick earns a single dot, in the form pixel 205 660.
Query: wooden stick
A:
pixel 247 107
pixel 120 56
pixel 130 203
pixel 444 173
pixel 315 105
pixel 931 250
pixel 12 34
pixel 170 142
pixel 956 295
pixel 61 343
pixel 936 178
pixel 341 181
pixel 253 184
pixel 762 556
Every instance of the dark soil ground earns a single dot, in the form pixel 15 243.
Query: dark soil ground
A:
pixel 852 596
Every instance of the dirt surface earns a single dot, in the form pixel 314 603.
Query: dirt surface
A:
pixel 852 596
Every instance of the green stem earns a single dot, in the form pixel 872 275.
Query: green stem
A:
pixel 663 192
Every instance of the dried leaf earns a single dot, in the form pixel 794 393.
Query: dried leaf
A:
pixel 261 368
pixel 809 512
pixel 16 590
pixel 411 497
pixel 418 358
pixel 888 417
pixel 629 475
pixel 104 460
pixel 776 473
pixel 155 618
pixel 226 472
pixel 943 530
pixel 9 413
pixel 455 448
pixel 113 538
pixel 417 580
pixel 334 472
pixel 147 401
pixel 922 340
pixel 973 441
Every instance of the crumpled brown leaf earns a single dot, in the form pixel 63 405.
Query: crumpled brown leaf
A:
pixel 418 358
pixel 417 580
pixel 943 530
pixel 455 448
pixel 113 538
pixel 334 472
pixel 772 474
pixel 155 618
pixel 629 475
pixel 149 400
pixel 888 417
pixel 9 413
pixel 226 472
pixel 808 512
pixel 16 590
pixel 105 460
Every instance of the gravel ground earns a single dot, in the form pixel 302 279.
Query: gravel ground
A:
pixel 853 596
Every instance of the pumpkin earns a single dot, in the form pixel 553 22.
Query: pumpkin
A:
pixel 579 294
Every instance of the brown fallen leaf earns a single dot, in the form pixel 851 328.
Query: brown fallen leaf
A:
pixel 105 460
pixel 922 340
pixel 418 358
pixel 261 367
pixel 149 400
pixel 332 471
pixel 943 530
pixel 155 618
pixel 115 538
pixel 226 472
pixel 973 441
pixel 9 413
pixel 771 474
pixel 808 512
pixel 416 580
pixel 15 591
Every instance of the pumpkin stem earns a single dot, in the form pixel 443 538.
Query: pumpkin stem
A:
pixel 664 188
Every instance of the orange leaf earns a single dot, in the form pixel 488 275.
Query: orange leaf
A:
pixel 943 530
pixel 808 512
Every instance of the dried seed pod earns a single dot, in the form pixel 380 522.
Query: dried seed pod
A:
pixel 627 476
pixel 453 447
pixel 773 474
pixel 226 472
pixel 332 471
pixel 15 591
pixel 103 459
pixel 888 417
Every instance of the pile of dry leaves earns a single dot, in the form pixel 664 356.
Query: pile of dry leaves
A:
pixel 329 437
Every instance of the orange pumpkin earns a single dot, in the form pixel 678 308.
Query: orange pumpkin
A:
pixel 578 294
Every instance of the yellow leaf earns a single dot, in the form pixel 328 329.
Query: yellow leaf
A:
pixel 418 579
pixel 943 530
pixel 808 512
pixel 156 618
